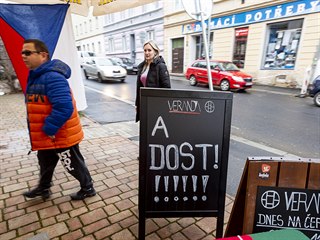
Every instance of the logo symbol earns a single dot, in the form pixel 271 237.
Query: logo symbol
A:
pixel 209 106
pixel 265 168
pixel 270 199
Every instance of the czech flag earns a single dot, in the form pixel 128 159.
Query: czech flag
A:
pixel 52 25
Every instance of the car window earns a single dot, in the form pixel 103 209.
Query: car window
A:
pixel 196 64
pixel 229 66
pixel 126 60
pixel 104 62
pixel 117 60
pixel 202 65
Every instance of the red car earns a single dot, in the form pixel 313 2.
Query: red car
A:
pixel 225 75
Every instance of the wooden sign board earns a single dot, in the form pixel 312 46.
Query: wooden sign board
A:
pixel 184 147
pixel 282 176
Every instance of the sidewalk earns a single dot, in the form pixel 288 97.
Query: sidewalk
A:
pixel 112 214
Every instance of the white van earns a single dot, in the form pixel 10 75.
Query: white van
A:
pixel 84 55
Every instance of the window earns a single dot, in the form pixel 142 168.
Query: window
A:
pixel 99 47
pixel 97 23
pixel 111 45
pixel 85 27
pixel 124 43
pixel 80 28
pixel 93 48
pixel 123 15
pixel 178 5
pixel 240 45
pixel 150 35
pixel 110 18
pixel 282 45
pixel 90 25
pixel 200 50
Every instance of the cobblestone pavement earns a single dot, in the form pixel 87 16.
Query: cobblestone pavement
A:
pixel 112 214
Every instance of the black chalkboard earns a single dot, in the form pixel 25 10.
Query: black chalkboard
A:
pixel 184 146
pixel 278 208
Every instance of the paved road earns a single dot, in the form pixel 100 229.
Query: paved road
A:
pixel 266 121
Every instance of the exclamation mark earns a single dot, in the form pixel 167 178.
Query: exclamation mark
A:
pixel 205 179
pixel 175 186
pixel 157 181
pixel 166 187
pixel 175 181
pixel 184 182
pixel 194 186
pixel 216 156
pixel 166 183
pixel 184 186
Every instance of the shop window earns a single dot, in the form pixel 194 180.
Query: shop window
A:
pixel 240 45
pixel 282 45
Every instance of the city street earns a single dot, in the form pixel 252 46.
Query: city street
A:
pixel 266 121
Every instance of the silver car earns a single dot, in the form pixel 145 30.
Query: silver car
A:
pixel 103 68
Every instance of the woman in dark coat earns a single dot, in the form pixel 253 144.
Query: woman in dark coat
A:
pixel 152 72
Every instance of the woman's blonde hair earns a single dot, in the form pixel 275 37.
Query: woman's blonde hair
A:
pixel 154 46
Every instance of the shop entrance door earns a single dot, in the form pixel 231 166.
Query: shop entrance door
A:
pixel 177 55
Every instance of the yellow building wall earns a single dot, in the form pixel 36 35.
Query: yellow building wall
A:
pixel 223 41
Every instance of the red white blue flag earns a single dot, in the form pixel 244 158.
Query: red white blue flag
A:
pixel 22 21
pixel 53 25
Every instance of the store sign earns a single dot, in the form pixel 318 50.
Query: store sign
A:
pixel 291 9
pixel 280 208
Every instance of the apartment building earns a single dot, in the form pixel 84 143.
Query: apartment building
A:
pixel 88 32
pixel 122 33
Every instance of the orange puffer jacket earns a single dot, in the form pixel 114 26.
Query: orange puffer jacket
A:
pixel 68 135
pixel 51 108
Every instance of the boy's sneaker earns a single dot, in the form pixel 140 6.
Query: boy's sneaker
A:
pixel 38 192
pixel 83 193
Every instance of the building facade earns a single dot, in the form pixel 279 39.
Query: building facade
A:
pixel 125 32
pixel 121 34
pixel 88 32
pixel 274 40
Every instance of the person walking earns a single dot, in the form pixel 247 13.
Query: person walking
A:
pixel 54 124
pixel 152 72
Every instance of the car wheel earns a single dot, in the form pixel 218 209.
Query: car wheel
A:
pixel 122 80
pixel 100 80
pixel 225 85
pixel 193 81
pixel 316 99
pixel 85 74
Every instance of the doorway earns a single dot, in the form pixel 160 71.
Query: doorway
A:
pixel 177 55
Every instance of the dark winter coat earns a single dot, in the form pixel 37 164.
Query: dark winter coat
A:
pixel 158 77
pixel 51 108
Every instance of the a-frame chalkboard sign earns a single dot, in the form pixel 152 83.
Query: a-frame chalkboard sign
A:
pixel 184 147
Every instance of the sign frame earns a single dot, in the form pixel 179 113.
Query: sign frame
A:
pixel 148 94
pixel 278 172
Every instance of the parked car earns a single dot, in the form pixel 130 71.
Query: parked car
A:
pixel 84 56
pixel 135 66
pixel 103 68
pixel 314 91
pixel 225 75
pixel 125 63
